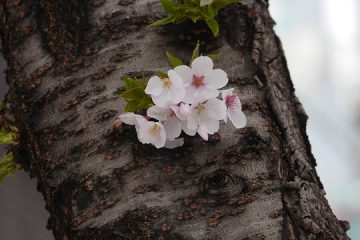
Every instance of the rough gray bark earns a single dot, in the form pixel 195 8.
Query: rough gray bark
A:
pixel 65 61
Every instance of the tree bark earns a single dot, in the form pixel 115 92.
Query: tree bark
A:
pixel 65 61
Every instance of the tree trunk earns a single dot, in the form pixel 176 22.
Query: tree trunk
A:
pixel 65 61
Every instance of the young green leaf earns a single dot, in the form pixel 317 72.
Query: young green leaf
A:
pixel 7 166
pixel 213 25
pixel 196 52
pixel 134 94
pixel 174 61
pixel 168 5
pixel 8 136
pixel 214 56
pixel 163 21
pixel 163 74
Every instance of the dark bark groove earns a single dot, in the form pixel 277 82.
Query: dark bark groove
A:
pixel 65 61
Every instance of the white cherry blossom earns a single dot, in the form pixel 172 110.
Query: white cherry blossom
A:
pixel 131 118
pixel 151 132
pixel 233 105
pixel 182 111
pixel 166 91
pixel 204 117
pixel 169 120
pixel 201 81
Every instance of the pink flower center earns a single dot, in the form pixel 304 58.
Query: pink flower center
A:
pixel 230 101
pixel 198 81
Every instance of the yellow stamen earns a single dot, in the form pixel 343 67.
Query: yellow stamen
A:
pixel 166 82
pixel 154 130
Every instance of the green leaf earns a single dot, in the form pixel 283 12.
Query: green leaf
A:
pixel 163 74
pixel 168 5
pixel 174 61
pixel 132 94
pixel 163 21
pixel 8 136
pixel 7 166
pixel 214 56
pixel 196 52
pixel 213 25
pixel 130 83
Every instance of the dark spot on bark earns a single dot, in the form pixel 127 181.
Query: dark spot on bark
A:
pixel 105 115
pixel 219 186
pixel 62 25
pixel 125 2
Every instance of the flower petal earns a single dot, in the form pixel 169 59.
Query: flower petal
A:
pixel 215 109
pixel 177 95
pixel 192 122
pixel 237 117
pixel 163 100
pixel 202 132
pixel 207 92
pixel 185 73
pixel 159 142
pixel 217 78
pixel 174 143
pixel 159 113
pixel 202 65
pixel 227 92
pixel 172 128
pixel 154 86
pixel 210 125
pixel 190 94
pixel 186 129
pixel 129 118
pixel 176 80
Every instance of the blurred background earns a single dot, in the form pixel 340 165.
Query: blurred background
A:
pixel 321 39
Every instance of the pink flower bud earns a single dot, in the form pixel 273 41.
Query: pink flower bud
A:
pixel 184 110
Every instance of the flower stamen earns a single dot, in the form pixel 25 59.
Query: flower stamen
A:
pixel 198 81
pixel 154 130
pixel 166 83
pixel 200 107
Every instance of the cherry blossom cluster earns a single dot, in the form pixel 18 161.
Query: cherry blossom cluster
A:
pixel 187 100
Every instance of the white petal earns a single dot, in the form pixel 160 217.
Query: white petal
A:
pixel 227 92
pixel 172 128
pixel 129 118
pixel 192 122
pixel 202 65
pixel 190 94
pixel 202 132
pixel 163 100
pixel 208 92
pixel 184 110
pixel 185 73
pixel 205 2
pixel 158 113
pixel 154 86
pixel 215 109
pixel 174 143
pixel 176 80
pixel 210 125
pixel 177 95
pixel 186 129
pixel 161 138
pixel 237 117
pixel 143 132
pixel 217 78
